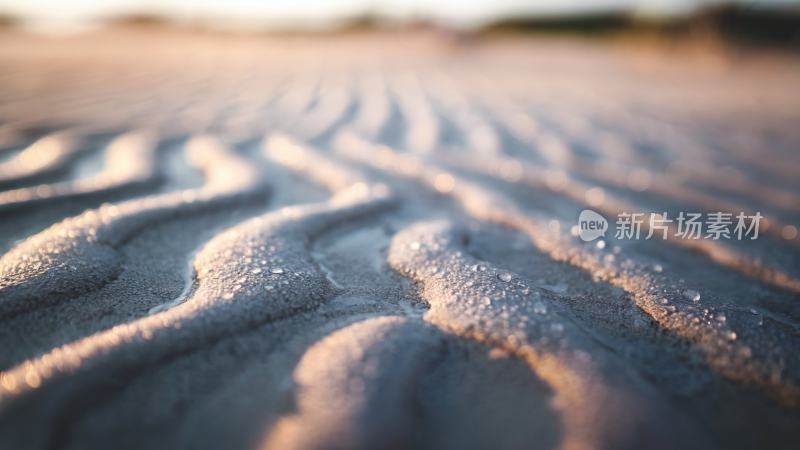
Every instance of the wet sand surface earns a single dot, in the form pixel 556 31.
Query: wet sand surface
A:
pixel 366 241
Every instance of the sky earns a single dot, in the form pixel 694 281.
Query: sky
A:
pixel 311 12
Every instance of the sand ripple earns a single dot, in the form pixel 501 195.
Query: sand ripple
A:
pixel 373 246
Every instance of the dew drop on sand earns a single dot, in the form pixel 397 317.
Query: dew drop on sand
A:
pixel 276 270
pixel 759 317
pixel 478 268
pixel 256 271
pixel 505 277
pixel 692 295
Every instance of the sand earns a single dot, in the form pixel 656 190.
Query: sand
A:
pixel 365 241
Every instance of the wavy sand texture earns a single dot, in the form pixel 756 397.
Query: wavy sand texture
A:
pixel 365 241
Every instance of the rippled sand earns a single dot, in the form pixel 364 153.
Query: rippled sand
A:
pixel 364 241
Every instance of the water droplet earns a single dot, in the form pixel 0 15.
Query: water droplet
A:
pixel 269 287
pixel 276 270
pixel 256 271
pixel 505 276
pixel 540 308
pixel 658 268
pixel 601 244
pixel 692 295
pixel 478 268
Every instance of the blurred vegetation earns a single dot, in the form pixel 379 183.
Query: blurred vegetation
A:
pixel 139 20
pixel 8 21
pixel 734 23
pixel 580 23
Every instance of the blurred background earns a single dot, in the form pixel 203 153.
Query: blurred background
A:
pixel 755 21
